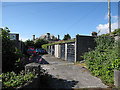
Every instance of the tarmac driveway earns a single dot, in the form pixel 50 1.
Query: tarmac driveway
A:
pixel 68 75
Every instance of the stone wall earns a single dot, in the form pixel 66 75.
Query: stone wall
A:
pixel 117 78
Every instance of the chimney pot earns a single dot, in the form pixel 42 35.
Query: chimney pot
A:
pixel 94 34
pixel 33 37
pixel 58 37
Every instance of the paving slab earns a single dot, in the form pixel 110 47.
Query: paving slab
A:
pixel 75 76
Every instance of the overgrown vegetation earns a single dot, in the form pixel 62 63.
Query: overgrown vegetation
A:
pixel 29 43
pixel 12 80
pixel 13 62
pixel 40 42
pixel 104 59
pixel 115 32
pixel 67 37
pixel 10 53
pixel 37 44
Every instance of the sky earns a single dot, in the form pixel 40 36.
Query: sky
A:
pixel 58 18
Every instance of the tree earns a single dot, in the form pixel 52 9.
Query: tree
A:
pixel 8 50
pixel 67 37
pixel 39 42
pixel 29 43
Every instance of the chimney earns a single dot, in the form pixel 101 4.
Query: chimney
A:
pixel 52 37
pixel 17 37
pixel 58 37
pixel 94 34
pixel 33 37
pixel 48 36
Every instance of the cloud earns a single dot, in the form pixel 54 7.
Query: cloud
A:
pixel 23 38
pixel 104 28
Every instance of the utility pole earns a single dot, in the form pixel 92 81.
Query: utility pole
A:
pixel 109 16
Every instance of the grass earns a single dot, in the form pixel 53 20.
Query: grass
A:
pixel 81 63
pixel 58 42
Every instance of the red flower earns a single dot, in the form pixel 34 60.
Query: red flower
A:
pixel 40 59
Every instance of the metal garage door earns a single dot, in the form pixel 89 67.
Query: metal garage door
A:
pixel 53 50
pixel 71 52
pixel 63 51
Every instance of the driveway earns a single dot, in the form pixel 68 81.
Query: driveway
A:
pixel 68 75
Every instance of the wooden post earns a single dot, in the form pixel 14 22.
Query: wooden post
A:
pixel 109 16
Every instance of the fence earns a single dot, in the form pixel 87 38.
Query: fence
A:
pixel 72 51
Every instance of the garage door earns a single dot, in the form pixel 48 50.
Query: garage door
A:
pixel 63 51
pixel 71 52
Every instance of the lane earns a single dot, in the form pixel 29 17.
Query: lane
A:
pixel 77 76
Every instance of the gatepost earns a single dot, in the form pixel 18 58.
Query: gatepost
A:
pixel 116 78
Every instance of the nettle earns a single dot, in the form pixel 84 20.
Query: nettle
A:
pixel 104 59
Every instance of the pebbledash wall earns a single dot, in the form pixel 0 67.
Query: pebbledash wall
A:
pixel 72 51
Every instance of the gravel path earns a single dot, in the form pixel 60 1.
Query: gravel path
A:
pixel 67 75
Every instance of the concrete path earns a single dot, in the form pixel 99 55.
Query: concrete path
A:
pixel 68 75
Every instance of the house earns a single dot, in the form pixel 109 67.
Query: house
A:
pixel 14 36
pixel 48 37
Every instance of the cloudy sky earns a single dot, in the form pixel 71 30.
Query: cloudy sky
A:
pixel 28 18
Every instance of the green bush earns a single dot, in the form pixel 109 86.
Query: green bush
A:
pixel 8 51
pixel 116 31
pixel 20 64
pixel 39 42
pixel 13 80
pixel 104 59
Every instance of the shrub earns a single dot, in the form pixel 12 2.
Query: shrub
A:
pixel 20 64
pixel 8 51
pixel 40 42
pixel 12 80
pixel 104 59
